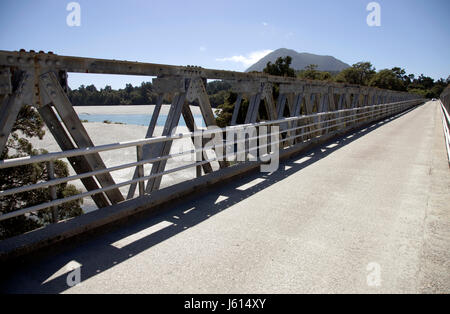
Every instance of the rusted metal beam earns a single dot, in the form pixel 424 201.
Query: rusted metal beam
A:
pixel 69 117
pixel 51 62
pixel 190 123
pixel 79 163
pixel 163 149
pixel 11 105
pixel 146 149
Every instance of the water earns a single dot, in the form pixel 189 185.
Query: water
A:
pixel 135 119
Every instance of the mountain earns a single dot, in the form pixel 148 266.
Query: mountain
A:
pixel 300 61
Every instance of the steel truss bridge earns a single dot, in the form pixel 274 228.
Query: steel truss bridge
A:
pixel 318 111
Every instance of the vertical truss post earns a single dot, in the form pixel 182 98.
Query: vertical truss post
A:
pixel 146 148
pixel 323 107
pixel 163 148
pixel 348 104
pixel 340 105
pixel 152 124
pixel 366 101
pixel 281 104
pixel 331 106
pixel 316 103
pixel 355 103
pixel 295 113
pixel 341 101
pixel 197 90
pixel 267 96
pixel 190 123
pixel 253 108
pixel 363 102
pixel 295 92
pixel 252 91
pixel 309 105
pixel 237 105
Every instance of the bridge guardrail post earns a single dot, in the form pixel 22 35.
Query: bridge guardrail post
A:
pixel 140 168
pixel 52 190
pixel 445 109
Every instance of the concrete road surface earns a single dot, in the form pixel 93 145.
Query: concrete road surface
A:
pixel 369 213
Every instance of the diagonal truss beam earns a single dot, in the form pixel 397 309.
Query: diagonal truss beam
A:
pixel 190 123
pixel 253 108
pixel 146 149
pixel 163 149
pixel 10 107
pixel 79 163
pixel 197 91
pixel 188 83
pixel 237 106
pixel 295 112
pixel 55 93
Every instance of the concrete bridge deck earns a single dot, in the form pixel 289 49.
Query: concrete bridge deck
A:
pixel 378 196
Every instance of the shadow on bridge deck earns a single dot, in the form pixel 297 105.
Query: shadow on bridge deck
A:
pixel 48 274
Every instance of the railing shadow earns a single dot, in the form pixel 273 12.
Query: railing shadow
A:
pixel 98 254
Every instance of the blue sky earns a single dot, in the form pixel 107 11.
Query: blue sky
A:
pixel 414 34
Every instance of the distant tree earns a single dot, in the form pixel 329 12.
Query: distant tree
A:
pixel 427 87
pixel 360 73
pixel 215 87
pixel 218 98
pixel 407 79
pixel 425 81
pixel 281 67
pixel 389 79
pixel 438 88
pixel 421 92
pixel 128 88
pixel 400 73
pixel 311 73
pixel 218 91
pixel 227 108
pixel 91 88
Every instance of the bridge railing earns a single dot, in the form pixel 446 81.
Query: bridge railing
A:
pixel 445 108
pixel 335 119
pixel 315 110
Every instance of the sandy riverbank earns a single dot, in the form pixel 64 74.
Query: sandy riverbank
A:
pixel 143 109
pixel 102 133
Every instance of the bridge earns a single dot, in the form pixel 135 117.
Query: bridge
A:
pixel 360 188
